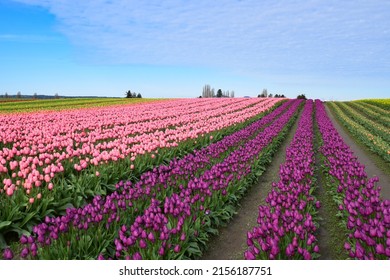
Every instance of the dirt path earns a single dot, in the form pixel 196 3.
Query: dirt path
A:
pixel 230 243
pixel 364 158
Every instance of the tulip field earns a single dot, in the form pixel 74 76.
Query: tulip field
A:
pixel 368 123
pixel 156 179
pixel 35 105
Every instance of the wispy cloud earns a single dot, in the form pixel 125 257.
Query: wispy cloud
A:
pixel 28 38
pixel 285 36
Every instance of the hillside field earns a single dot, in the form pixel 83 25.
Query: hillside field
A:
pixel 204 178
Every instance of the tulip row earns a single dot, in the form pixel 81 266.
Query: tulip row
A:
pixel 286 225
pixel 376 114
pixel 19 106
pixel 375 142
pixel 370 125
pixel 170 210
pixel 365 216
pixel 379 103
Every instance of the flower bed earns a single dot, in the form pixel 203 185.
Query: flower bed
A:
pixel 286 227
pixel 362 212
pixel 171 211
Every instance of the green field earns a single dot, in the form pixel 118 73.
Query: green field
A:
pixel 368 122
pixel 18 106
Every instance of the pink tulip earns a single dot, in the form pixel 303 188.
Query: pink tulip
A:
pixel 10 191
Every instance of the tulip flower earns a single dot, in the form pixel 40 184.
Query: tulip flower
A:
pixel 161 251
pixel 249 255
pixel 7 254
pixel 177 248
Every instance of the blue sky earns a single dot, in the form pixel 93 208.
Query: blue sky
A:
pixel 325 49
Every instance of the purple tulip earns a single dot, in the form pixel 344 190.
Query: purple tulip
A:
pixel 7 254
pixel 161 251
pixel 387 252
pixel 306 255
pixel 289 250
pixel 119 246
pixel 137 256
pixel 151 237
pixel 380 249
pixel 23 239
pixel 249 255
pixel 142 244
pixel 177 248
pixel 24 253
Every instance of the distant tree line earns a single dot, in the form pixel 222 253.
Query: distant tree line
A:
pixel 19 95
pixel 129 94
pixel 209 92
pixel 265 93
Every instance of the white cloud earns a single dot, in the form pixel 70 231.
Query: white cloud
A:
pixel 247 35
